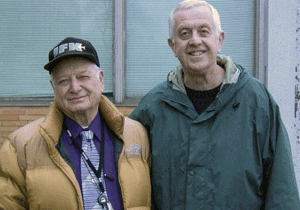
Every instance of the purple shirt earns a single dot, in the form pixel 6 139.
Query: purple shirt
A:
pixel 109 167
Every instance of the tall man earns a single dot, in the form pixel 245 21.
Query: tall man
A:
pixel 84 154
pixel 217 138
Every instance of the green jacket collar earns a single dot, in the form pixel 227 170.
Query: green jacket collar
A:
pixel 232 73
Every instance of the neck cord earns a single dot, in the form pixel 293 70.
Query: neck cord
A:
pixel 102 200
pixel 86 158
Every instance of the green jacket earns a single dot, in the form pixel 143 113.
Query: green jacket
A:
pixel 235 155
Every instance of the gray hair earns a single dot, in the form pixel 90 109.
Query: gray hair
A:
pixel 189 4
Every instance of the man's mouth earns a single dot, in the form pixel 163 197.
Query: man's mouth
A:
pixel 197 53
pixel 77 98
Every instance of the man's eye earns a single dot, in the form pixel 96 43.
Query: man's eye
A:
pixel 204 32
pixel 63 82
pixel 83 77
pixel 184 34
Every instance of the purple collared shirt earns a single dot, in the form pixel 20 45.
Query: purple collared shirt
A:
pixel 109 155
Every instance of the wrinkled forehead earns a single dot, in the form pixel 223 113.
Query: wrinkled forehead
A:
pixel 69 67
pixel 193 15
pixel 73 65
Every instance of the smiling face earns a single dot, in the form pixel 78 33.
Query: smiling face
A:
pixel 196 42
pixel 78 85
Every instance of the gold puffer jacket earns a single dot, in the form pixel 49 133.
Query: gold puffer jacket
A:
pixel 33 174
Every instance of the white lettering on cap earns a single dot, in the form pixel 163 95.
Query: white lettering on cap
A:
pixel 70 46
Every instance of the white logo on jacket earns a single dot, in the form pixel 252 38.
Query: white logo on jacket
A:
pixel 134 149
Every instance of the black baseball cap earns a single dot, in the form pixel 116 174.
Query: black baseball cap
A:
pixel 71 46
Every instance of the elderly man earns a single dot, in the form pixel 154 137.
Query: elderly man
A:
pixel 217 138
pixel 84 154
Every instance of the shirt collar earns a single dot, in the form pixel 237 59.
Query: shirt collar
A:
pixel 76 129
pixel 96 127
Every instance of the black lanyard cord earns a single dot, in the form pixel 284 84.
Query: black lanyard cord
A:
pixel 100 185
pixel 86 158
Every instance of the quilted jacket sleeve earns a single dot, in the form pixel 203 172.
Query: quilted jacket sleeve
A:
pixel 12 180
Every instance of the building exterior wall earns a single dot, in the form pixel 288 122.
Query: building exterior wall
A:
pixel 297 94
pixel 283 57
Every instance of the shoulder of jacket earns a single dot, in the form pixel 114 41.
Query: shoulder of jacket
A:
pixel 135 138
pixel 23 137
pixel 29 131
pixel 132 127
pixel 160 88
pixel 156 93
pixel 255 88
pixel 256 96
pixel 134 132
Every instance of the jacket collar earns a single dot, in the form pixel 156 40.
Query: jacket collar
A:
pixel 112 116
pixel 51 127
pixel 232 74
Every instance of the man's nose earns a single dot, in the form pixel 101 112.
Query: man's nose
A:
pixel 75 86
pixel 196 39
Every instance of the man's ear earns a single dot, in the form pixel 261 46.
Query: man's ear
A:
pixel 101 75
pixel 172 45
pixel 221 41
